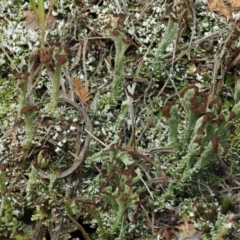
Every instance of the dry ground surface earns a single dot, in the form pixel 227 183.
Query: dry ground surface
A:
pixel 120 120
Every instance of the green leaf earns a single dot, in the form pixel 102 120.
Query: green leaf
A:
pixel 41 11
pixel 33 5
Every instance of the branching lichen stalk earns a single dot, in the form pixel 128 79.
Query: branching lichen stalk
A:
pixel 203 135
pixel 55 89
pixel 2 189
pixel 32 182
pixel 28 116
pixel 120 47
pixel 23 99
pixel 29 124
pixel 167 39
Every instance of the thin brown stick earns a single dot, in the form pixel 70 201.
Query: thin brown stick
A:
pixel 98 140
pixel 138 154
pixel 6 54
pixel 79 226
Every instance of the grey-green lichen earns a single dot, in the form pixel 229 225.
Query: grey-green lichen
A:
pixel 111 198
pixel 55 89
pixel 121 43
pixel 202 140
pixel 8 99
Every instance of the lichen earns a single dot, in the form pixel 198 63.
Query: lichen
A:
pixel 140 167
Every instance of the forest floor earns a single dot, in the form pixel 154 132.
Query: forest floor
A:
pixel 120 120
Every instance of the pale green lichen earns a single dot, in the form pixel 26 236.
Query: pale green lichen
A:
pixel 55 89
pixel 192 162
pixel 28 116
pixel 29 125
pixel 121 45
pixel 115 208
pixel 32 183
pixel 8 94
pixel 168 38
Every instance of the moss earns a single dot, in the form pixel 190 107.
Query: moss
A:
pixel 107 191
pixel 8 99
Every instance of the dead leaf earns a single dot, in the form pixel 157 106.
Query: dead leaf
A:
pixel 235 4
pixel 186 228
pixel 80 90
pixel 196 235
pixel 220 8
pixel 224 7
pixel 164 178
pixel 167 235
pixel 33 23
